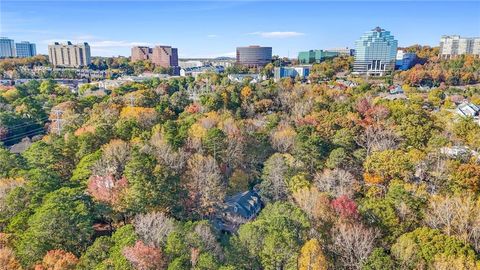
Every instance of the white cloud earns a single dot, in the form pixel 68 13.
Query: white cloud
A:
pixel 212 36
pixel 278 34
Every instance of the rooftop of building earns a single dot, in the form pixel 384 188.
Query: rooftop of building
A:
pixel 70 43
pixel 203 68
pixel 162 46
pixel 254 46
pixel 468 109
pixel 458 37
pixel 246 204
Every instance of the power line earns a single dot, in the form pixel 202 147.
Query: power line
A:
pixel 21 135
pixel 25 124
pixel 16 136
pixel 28 134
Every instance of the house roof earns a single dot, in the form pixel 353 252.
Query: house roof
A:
pixel 246 204
pixel 21 146
pixel 395 96
pixel 468 109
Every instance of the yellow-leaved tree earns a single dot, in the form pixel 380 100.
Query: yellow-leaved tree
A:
pixel 312 257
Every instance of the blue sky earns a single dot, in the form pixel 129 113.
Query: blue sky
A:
pixel 211 29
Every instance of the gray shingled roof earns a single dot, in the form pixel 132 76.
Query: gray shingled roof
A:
pixel 246 204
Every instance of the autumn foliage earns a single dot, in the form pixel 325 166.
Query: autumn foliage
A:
pixel 58 260
pixel 144 257
pixel 312 257
pixel 144 116
pixel 8 261
pixel 372 179
pixel 345 207
pixel 210 173
pixel 107 189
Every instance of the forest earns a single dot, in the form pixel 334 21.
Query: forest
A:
pixel 347 179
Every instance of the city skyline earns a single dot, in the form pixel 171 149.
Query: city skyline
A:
pixel 194 28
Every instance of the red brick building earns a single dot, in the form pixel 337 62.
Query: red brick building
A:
pixel 163 56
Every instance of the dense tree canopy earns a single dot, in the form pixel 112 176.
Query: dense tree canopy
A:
pixel 347 179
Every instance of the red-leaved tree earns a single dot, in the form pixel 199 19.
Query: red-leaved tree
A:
pixel 107 189
pixel 144 257
pixel 345 207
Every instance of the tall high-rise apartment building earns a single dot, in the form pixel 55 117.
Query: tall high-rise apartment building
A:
pixel 452 46
pixel 254 56
pixel 162 56
pixel 25 49
pixel 375 53
pixel 7 47
pixel 141 53
pixel 165 56
pixel 69 55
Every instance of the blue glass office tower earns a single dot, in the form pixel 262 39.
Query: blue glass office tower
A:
pixel 375 53
pixel 7 47
pixel 25 49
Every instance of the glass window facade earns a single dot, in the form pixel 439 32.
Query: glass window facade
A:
pixel 25 49
pixel 315 56
pixel 292 72
pixel 375 52
pixel 254 56
pixel 7 47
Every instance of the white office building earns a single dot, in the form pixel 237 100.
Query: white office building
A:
pixel 69 55
pixel 453 46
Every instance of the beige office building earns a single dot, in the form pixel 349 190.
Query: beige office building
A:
pixel 69 55
pixel 452 46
